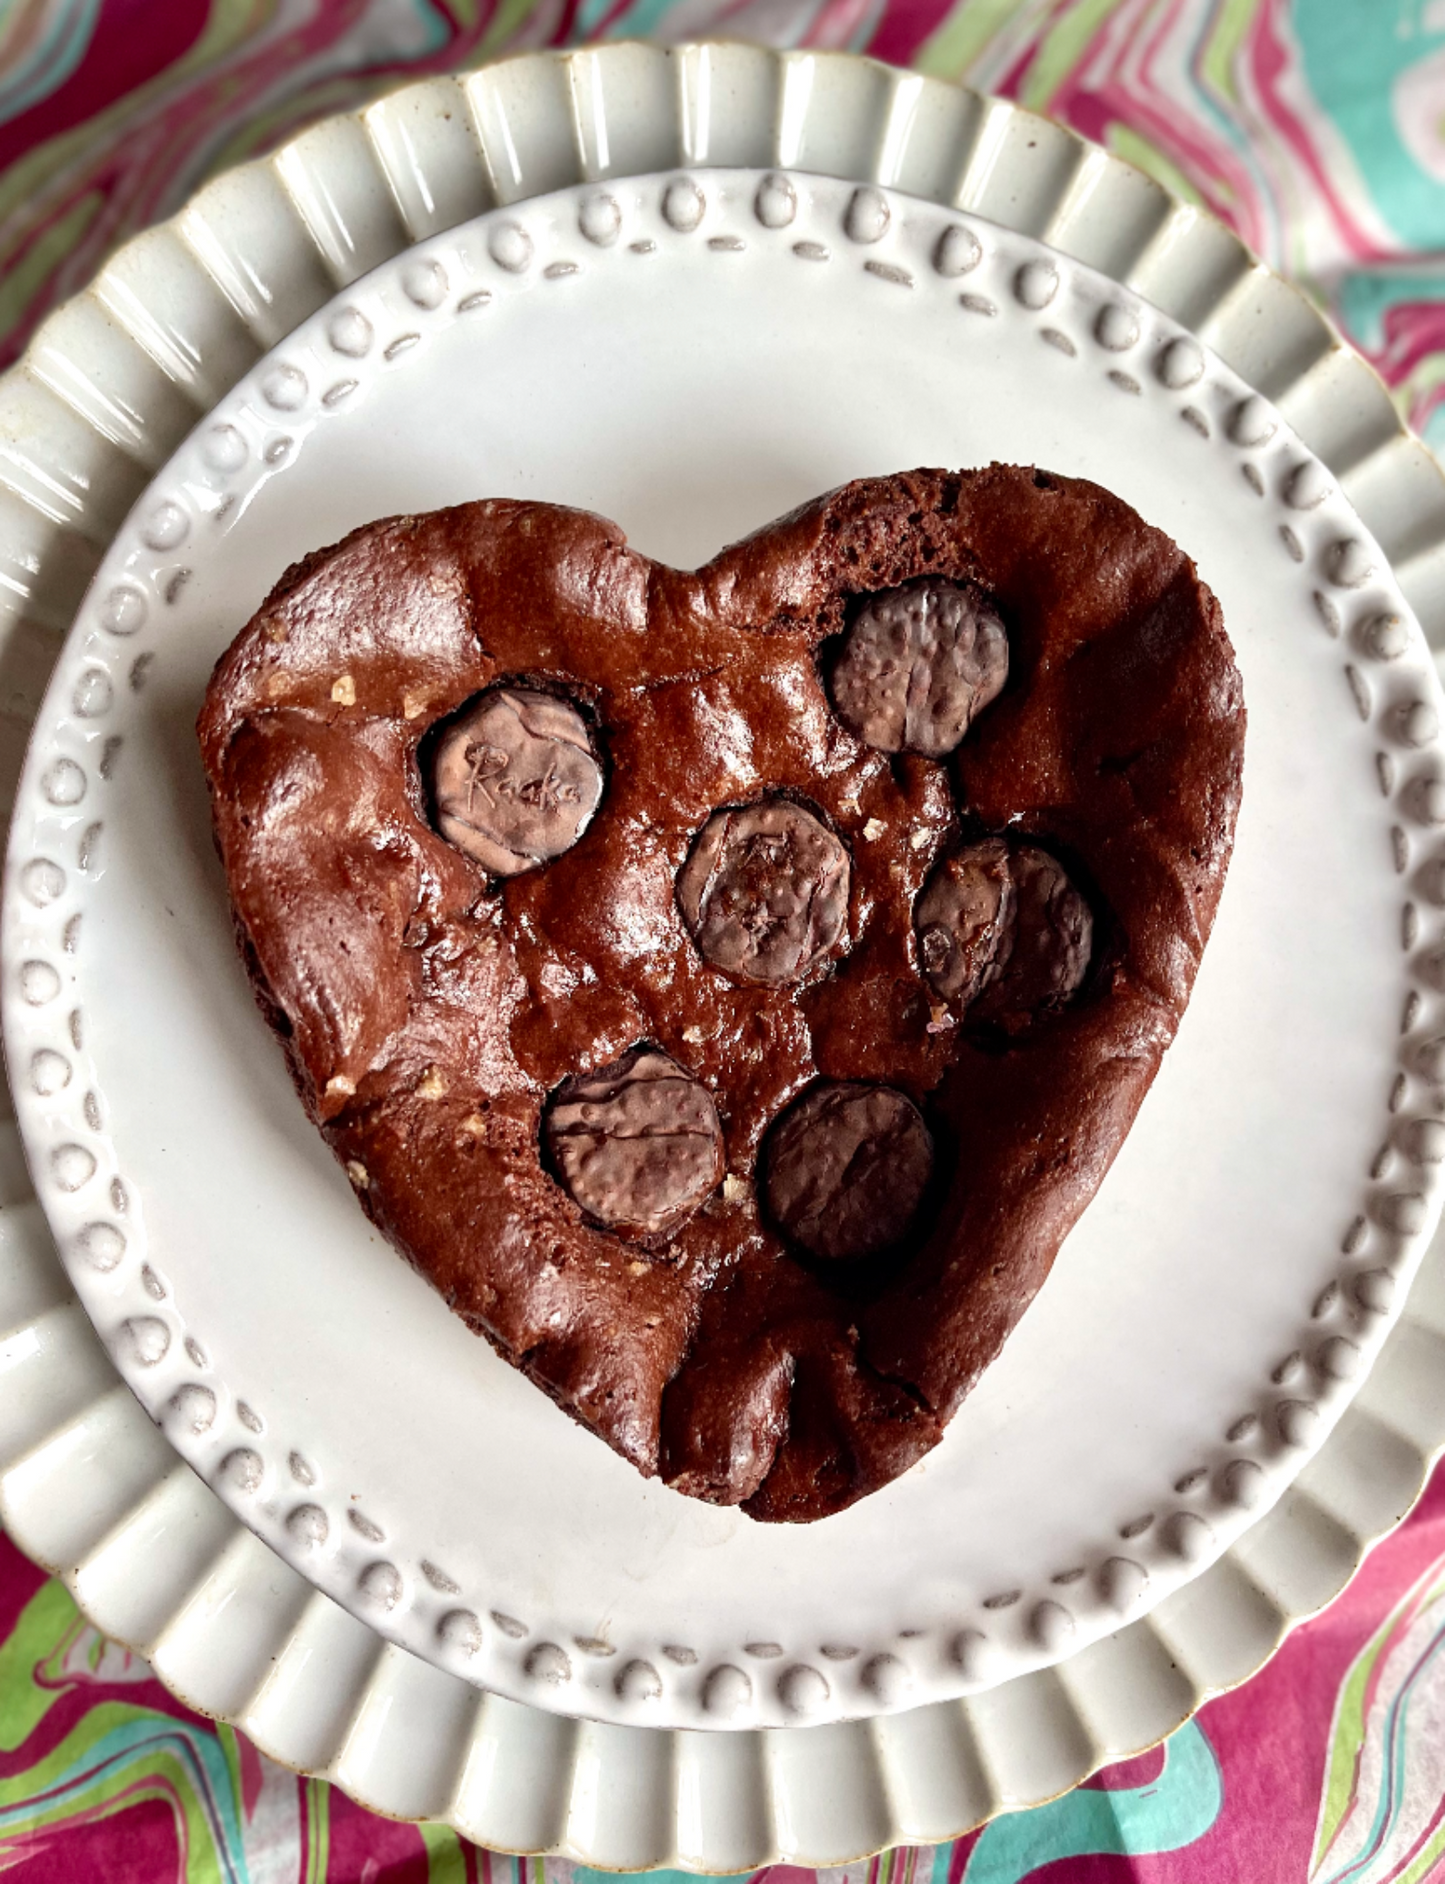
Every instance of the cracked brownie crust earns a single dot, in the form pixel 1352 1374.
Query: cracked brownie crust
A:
pixel 434 1010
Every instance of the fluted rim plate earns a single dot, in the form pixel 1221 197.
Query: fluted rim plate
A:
pixel 112 383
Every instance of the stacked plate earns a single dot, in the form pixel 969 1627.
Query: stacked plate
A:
pixel 689 289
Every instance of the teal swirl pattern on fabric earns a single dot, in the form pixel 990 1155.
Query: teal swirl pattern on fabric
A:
pixel 1316 128
pixel 1168 1813
pixel 1382 1812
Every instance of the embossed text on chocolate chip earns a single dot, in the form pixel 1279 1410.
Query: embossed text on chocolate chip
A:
pixel 919 664
pixel 637 1143
pixel 515 780
pixel 764 891
pixel 845 1169
pixel 1003 933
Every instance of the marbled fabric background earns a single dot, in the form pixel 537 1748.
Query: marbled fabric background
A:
pixel 1317 129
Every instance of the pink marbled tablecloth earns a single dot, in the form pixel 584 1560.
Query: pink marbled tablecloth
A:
pixel 1315 127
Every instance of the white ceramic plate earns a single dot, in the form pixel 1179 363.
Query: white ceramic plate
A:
pixel 693 355
pixel 937 1783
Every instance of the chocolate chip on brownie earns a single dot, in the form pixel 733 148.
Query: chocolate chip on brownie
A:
pixel 845 1169
pixel 515 780
pixel 764 891
pixel 919 665
pixel 1003 933
pixel 637 1143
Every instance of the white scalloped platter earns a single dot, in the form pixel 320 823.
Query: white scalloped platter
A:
pixel 692 355
pixel 91 1488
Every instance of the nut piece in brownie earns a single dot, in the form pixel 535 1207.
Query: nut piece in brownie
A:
pixel 729 987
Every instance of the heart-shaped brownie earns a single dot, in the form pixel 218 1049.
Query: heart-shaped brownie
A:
pixel 729 987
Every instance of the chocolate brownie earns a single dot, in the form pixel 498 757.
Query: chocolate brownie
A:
pixel 728 987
